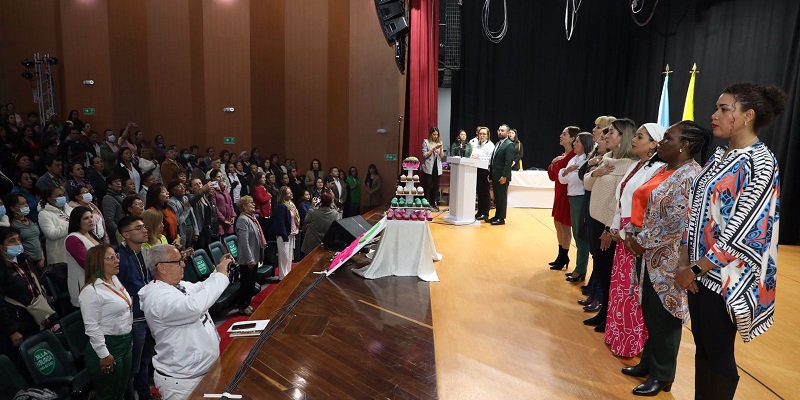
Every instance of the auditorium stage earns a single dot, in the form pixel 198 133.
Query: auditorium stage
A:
pixel 499 325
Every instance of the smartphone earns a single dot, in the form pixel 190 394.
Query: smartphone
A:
pixel 214 184
pixel 244 326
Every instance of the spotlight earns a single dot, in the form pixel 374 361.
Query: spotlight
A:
pixel 27 63
pixel 52 60
pixel 26 75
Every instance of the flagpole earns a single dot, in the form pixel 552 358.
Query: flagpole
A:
pixel 688 106
pixel 663 106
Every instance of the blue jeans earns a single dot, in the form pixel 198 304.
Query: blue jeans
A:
pixel 143 350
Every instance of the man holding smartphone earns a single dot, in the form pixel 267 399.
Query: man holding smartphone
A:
pixel 187 342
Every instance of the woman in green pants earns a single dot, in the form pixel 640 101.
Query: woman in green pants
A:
pixel 107 317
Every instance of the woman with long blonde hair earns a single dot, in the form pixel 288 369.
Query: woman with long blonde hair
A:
pixel 286 225
pixel 431 168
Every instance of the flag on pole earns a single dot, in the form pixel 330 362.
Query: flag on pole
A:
pixel 688 107
pixel 663 106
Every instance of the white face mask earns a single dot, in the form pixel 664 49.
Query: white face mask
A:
pixel 87 197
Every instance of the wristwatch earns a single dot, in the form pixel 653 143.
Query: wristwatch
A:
pixel 696 270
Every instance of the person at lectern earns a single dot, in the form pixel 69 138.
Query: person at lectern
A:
pixel 482 148
pixel 500 170
pixel 431 168
pixel 187 343
pixel 460 147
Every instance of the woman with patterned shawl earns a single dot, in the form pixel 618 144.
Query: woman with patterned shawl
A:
pixel 730 257
pixel 659 214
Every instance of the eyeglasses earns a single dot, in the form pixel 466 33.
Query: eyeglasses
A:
pixel 170 262
pixel 110 258
pixel 136 228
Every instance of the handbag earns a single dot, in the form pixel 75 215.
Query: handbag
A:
pixel 39 308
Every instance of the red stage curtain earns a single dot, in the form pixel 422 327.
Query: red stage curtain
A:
pixel 423 64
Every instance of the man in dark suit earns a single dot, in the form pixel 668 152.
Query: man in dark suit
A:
pixel 500 173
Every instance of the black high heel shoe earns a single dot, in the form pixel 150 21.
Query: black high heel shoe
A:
pixel 562 260
pixel 564 263
pixel 652 387
pixel 572 278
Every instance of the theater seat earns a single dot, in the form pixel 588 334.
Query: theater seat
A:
pixel 75 333
pixel 205 267
pixel 51 367
pixel 12 380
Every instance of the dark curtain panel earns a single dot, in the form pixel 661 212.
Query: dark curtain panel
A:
pixel 538 82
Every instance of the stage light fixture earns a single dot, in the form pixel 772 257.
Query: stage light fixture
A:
pixel 27 63
pixel 52 60
pixel 26 75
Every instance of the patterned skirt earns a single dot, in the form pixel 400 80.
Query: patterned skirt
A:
pixel 625 330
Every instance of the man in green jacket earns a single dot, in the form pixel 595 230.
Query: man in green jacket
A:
pixel 500 174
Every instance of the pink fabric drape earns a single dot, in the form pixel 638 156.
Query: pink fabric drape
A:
pixel 423 64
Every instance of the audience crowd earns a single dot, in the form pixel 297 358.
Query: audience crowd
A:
pixel 90 206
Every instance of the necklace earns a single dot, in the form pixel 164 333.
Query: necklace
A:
pixel 677 166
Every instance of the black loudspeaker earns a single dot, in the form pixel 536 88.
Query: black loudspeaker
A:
pixel 392 17
pixel 342 232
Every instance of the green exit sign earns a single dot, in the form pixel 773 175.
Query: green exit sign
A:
pixel 88 111
pixel 390 157
pixel 229 140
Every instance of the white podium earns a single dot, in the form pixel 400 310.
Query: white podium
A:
pixel 463 179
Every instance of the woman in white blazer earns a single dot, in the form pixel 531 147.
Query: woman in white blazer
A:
pixel 54 223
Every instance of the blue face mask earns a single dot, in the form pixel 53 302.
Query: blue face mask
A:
pixel 25 211
pixel 87 197
pixel 14 251
pixel 187 156
pixel 61 201
pixel 2 211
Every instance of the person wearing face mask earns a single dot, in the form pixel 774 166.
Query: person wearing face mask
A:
pixel 109 151
pixel 3 216
pixel 54 222
pixel 23 186
pixel 18 285
pixel 18 209
pixel 82 197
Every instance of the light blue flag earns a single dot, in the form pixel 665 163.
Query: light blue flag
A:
pixel 663 106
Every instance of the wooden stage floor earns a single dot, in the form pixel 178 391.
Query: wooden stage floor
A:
pixel 500 324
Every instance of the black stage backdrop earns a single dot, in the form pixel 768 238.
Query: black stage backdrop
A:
pixel 538 82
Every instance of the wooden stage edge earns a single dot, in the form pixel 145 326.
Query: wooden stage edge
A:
pixel 504 327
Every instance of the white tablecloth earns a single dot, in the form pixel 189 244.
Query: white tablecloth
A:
pixel 530 189
pixel 406 249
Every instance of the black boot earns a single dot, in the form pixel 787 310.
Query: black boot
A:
pixel 563 260
pixel 652 387
pixel 554 262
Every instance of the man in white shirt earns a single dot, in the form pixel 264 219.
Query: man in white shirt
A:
pixel 187 343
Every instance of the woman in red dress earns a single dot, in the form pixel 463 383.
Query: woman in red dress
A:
pixel 560 214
